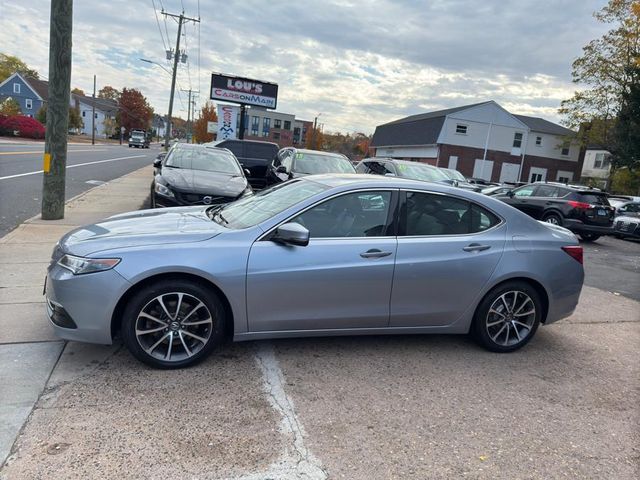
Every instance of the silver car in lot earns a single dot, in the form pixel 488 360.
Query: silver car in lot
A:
pixel 320 255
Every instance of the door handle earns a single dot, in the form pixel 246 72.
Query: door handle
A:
pixel 476 247
pixel 374 253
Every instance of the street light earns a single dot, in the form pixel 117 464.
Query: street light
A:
pixel 167 121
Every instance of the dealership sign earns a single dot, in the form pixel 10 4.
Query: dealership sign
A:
pixel 227 122
pixel 244 91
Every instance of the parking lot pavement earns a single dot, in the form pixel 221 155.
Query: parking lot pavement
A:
pixel 566 406
pixel 613 264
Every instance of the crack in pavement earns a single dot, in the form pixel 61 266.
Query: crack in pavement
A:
pixel 297 461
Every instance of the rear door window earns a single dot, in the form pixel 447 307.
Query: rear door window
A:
pixel 593 198
pixel 256 150
pixel 547 191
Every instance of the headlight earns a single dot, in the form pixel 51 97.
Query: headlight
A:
pixel 81 265
pixel 163 190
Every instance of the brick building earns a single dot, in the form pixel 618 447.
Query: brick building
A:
pixel 483 140
pixel 281 128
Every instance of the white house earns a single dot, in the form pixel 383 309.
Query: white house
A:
pixel 104 109
pixel 597 165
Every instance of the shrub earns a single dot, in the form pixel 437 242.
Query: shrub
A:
pixel 26 127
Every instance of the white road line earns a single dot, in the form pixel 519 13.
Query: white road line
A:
pixel 74 166
pixel 297 462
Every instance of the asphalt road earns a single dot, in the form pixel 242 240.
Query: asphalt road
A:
pixel 613 265
pixel 87 166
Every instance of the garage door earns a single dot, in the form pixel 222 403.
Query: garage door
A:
pixel 509 172
pixel 483 169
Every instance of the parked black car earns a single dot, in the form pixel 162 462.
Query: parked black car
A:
pixel 626 226
pixel 293 162
pixel 582 210
pixel 253 155
pixel 197 175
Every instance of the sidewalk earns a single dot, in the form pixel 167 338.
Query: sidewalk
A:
pixel 28 348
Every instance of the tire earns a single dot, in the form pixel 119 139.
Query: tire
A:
pixel 493 323
pixel 173 339
pixel 589 237
pixel 553 218
pixel 153 197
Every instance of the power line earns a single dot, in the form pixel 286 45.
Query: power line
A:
pixel 158 22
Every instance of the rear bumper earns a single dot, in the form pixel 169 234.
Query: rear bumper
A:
pixel 578 226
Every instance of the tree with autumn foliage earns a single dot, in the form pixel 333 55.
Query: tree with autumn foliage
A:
pixel 10 64
pixel 207 114
pixel 109 93
pixel 608 71
pixel 134 110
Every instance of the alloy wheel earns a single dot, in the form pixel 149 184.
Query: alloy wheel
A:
pixel 173 326
pixel 553 220
pixel 511 318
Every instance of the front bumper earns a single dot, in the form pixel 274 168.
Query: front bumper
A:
pixel 628 227
pixel 189 200
pixel 87 300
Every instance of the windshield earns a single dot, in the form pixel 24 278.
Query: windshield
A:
pixel 313 164
pixel 250 211
pixel 420 172
pixel 203 159
pixel 137 135
pixel 454 174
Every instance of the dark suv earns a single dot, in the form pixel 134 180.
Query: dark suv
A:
pixel 582 210
pixel 253 155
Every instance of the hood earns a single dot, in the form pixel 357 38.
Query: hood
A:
pixel 207 183
pixel 144 227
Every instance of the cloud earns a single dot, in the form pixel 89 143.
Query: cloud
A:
pixel 358 63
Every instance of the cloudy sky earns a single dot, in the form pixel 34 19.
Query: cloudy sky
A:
pixel 358 63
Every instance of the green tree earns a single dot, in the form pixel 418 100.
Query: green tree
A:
pixel 78 91
pixel 10 64
pixel 605 71
pixel 10 107
pixel 626 132
pixel 75 120
pixel 41 116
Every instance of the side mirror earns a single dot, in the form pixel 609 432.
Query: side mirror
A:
pixel 291 233
pixel 157 163
pixel 247 172
pixel 510 194
pixel 281 169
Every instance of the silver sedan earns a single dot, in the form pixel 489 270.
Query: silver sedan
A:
pixel 320 255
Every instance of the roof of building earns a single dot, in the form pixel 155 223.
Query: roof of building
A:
pixel 103 104
pixel 541 125
pixel 41 87
pixel 424 128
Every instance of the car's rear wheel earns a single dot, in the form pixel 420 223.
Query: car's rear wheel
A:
pixel 173 324
pixel 589 237
pixel 553 218
pixel 508 317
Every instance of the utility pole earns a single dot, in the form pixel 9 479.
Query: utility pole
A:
pixel 315 135
pixel 176 55
pixel 243 116
pixel 189 115
pixel 93 114
pixel 55 147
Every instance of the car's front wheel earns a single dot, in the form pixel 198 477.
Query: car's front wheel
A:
pixel 173 324
pixel 589 237
pixel 508 317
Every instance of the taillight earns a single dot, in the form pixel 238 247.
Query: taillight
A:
pixel 580 205
pixel 575 251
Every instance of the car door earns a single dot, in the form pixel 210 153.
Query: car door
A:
pixel 448 249
pixel 341 279
pixel 521 198
pixel 545 198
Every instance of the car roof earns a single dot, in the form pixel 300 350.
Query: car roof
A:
pixel 395 160
pixel 368 180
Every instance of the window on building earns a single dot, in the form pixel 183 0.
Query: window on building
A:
pixel 255 122
pixel 265 133
pixel 254 132
pixel 565 149
pixel 28 103
pixel 95 115
pixel 602 161
pixel 84 114
pixel 562 179
pixel 536 177
pixel 539 141
pixel 461 129
pixel 277 123
pixel 266 123
pixel 517 140
pixel 287 125
pixel 276 135
pixel 296 132
pixel 16 88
